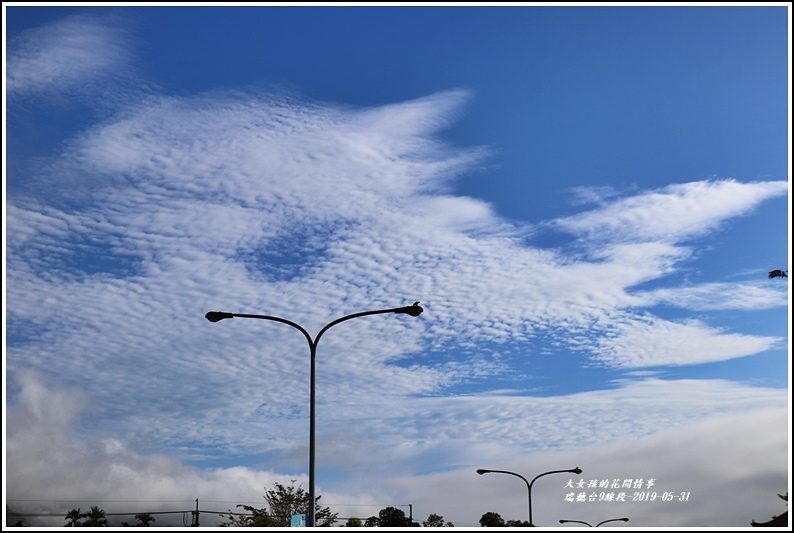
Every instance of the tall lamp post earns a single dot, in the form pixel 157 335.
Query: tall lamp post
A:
pixel 215 316
pixel 576 470
pixel 598 524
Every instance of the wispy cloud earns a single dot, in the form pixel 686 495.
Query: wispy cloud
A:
pixel 642 342
pixel 70 52
pixel 716 296
pixel 675 213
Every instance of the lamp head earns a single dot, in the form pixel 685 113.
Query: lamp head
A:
pixel 215 316
pixel 576 470
pixel 413 310
pixel 482 471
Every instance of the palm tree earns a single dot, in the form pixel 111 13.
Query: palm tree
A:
pixel 778 274
pixel 96 518
pixel 74 517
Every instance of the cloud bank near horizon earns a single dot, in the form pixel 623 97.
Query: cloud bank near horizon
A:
pixel 46 452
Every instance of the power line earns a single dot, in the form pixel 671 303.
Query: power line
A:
pixel 220 513
pixel 369 504
pixel 194 511
pixel 108 501
pixel 13 513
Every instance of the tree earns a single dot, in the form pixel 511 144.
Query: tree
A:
pixel 372 521
pixel 435 520
pixel 74 517
pixel 778 274
pixel 257 518
pixel 144 519
pixel 95 518
pixel 517 523
pixel 354 521
pixel 392 517
pixel 491 519
pixel 283 502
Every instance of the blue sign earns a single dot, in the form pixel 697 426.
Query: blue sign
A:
pixel 298 520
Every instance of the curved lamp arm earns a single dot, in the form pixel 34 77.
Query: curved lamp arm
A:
pixel 217 316
pixel 598 524
pixel 576 521
pixel 613 520
pixel 482 471
pixel 413 310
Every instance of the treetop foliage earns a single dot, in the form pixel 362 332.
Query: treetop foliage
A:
pixel 282 503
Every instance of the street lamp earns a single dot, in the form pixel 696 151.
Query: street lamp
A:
pixel 576 470
pixel 598 524
pixel 216 316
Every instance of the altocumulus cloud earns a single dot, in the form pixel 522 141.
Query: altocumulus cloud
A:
pixel 262 202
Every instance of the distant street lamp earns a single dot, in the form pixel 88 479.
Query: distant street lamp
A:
pixel 576 470
pixel 215 316
pixel 598 524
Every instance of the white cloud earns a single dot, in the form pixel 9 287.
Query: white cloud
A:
pixel 642 342
pixel 673 213
pixel 69 52
pixel 710 296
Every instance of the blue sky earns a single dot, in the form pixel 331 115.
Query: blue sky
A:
pixel 585 200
